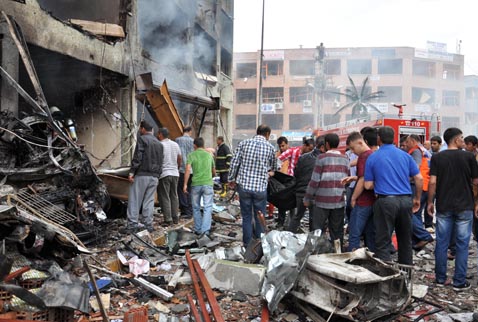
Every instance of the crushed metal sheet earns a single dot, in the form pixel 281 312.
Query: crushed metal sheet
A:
pixel 285 255
pixel 354 285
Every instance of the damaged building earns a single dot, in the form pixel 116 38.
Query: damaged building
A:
pixel 77 77
pixel 87 56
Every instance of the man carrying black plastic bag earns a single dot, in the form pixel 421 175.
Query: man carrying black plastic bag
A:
pixel 281 191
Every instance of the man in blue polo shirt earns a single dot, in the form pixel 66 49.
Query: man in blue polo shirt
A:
pixel 388 172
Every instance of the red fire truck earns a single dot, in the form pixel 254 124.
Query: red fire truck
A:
pixel 402 127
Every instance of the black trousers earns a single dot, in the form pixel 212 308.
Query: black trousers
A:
pixel 334 218
pixel 185 205
pixel 393 213
pixel 299 212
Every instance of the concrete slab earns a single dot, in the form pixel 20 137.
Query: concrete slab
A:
pixel 233 276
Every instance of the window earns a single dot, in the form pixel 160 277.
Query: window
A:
pixel 272 95
pixel 423 95
pixel 391 94
pixel 246 96
pixel 246 70
pixel 299 94
pixel 451 72
pixel 424 68
pixel 389 66
pixel 300 121
pixel 302 67
pixel 273 68
pixel 204 63
pixel 226 62
pixel 451 98
pixel 332 67
pixel 275 121
pixel 246 122
pixel 359 66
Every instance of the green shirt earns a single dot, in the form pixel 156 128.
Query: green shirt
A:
pixel 201 163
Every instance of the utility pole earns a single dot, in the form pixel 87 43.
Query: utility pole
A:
pixel 261 61
pixel 319 86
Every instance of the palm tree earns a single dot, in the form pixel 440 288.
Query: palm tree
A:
pixel 359 100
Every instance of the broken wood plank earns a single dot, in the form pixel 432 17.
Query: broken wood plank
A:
pixel 174 280
pixel 100 28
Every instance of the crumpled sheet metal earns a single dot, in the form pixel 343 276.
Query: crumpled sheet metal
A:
pixel 340 283
pixel 285 254
pixel 341 267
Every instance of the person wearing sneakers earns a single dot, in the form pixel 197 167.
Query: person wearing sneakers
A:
pixel 146 167
pixel 168 181
pixel 201 163
pixel 452 173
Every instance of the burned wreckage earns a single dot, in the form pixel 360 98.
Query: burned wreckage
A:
pixel 45 173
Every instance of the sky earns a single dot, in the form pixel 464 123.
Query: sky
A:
pixel 358 23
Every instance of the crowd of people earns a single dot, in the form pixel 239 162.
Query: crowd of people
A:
pixel 181 172
pixel 376 192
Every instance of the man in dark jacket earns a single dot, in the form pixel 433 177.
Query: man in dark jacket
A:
pixel 223 161
pixel 146 168
pixel 303 172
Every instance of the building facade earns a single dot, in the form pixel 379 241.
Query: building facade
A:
pixel 301 86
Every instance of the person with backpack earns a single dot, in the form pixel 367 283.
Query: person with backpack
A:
pixel 420 236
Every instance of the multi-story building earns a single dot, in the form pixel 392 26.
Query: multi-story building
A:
pixel 471 105
pixel 301 86
pixel 88 55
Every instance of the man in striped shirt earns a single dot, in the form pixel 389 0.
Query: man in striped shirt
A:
pixel 253 162
pixel 326 190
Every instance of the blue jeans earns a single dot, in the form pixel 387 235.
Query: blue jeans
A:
pixel 202 223
pixel 251 202
pixel 361 222
pixel 446 223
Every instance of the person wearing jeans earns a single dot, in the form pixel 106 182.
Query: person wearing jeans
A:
pixel 251 202
pixel 453 172
pixel 460 223
pixel 253 162
pixel 361 200
pixel 201 163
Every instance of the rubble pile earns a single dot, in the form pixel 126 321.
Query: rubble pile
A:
pixel 175 275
